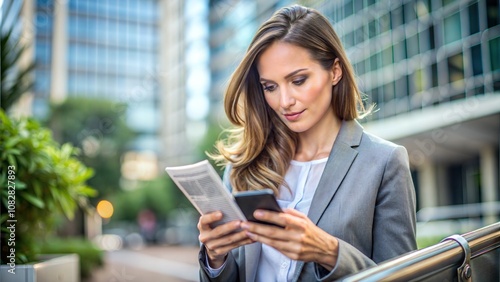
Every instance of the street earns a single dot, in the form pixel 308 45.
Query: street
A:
pixel 152 263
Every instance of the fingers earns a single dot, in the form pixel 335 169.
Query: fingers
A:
pixel 294 212
pixel 221 239
pixel 207 219
pixel 286 218
pixel 218 248
pixel 294 222
pixel 277 218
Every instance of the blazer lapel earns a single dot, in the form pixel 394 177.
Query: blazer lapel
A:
pixel 338 164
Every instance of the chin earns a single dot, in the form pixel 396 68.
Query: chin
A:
pixel 297 128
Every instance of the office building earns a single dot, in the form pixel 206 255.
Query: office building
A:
pixel 128 51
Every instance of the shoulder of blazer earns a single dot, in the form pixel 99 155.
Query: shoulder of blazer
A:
pixel 351 133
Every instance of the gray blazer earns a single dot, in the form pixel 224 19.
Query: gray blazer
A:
pixel 365 198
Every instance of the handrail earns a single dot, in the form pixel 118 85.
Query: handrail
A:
pixel 424 262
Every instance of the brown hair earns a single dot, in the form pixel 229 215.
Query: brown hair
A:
pixel 261 146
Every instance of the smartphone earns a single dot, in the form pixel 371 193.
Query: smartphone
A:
pixel 249 201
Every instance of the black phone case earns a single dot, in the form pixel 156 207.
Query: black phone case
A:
pixel 261 199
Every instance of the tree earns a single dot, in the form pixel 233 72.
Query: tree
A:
pixel 98 128
pixel 15 80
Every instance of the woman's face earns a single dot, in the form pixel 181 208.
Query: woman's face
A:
pixel 297 87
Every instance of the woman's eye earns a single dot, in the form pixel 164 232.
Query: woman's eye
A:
pixel 299 81
pixel 269 88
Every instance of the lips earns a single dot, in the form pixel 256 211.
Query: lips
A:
pixel 293 116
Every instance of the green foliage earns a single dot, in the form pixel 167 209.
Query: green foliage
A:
pixel 15 81
pixel 48 178
pixel 159 195
pixel 98 128
pixel 90 255
pixel 424 242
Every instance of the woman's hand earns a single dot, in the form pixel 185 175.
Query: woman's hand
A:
pixel 300 239
pixel 221 239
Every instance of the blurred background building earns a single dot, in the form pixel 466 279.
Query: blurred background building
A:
pixel 106 49
pixel 124 51
pixel 431 67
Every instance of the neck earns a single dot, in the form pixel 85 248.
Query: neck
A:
pixel 317 142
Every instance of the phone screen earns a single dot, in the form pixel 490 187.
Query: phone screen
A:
pixel 249 201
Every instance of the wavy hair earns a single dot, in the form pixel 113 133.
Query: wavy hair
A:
pixel 260 146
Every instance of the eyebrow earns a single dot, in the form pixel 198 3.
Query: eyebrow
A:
pixel 287 76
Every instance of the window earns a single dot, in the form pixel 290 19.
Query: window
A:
pixel 418 80
pixel 426 39
pixel 389 92
pixel 473 19
pixel 423 37
pixel 385 23
pixel 409 12
pixel 348 9
pixel 349 40
pixel 434 73
pixel 358 5
pixel 42 82
pixel 494 45
pixel 375 99
pixel 360 67
pixel 431 37
pixel 397 17
pixel 455 68
pixel 401 88
pixel 400 51
pixel 387 58
pixel 476 57
pixel 372 29
pixel 43 22
pixel 492 11
pixel 43 52
pixel 452 30
pixel 412 45
pixel 359 35
pixel 374 61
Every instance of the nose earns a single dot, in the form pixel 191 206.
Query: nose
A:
pixel 286 98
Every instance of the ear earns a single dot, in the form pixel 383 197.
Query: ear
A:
pixel 336 72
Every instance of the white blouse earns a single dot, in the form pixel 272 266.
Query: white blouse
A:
pixel 302 179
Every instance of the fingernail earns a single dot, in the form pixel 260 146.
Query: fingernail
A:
pixel 244 226
pixel 258 214
pixel 251 235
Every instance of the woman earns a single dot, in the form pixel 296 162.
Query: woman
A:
pixel 347 196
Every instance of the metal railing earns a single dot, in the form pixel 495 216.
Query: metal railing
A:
pixel 475 254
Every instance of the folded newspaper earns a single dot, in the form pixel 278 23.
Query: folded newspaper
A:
pixel 204 188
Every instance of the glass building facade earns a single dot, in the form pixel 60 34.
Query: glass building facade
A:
pixel 110 51
pixel 413 54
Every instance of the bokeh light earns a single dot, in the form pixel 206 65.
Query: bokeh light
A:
pixel 105 209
